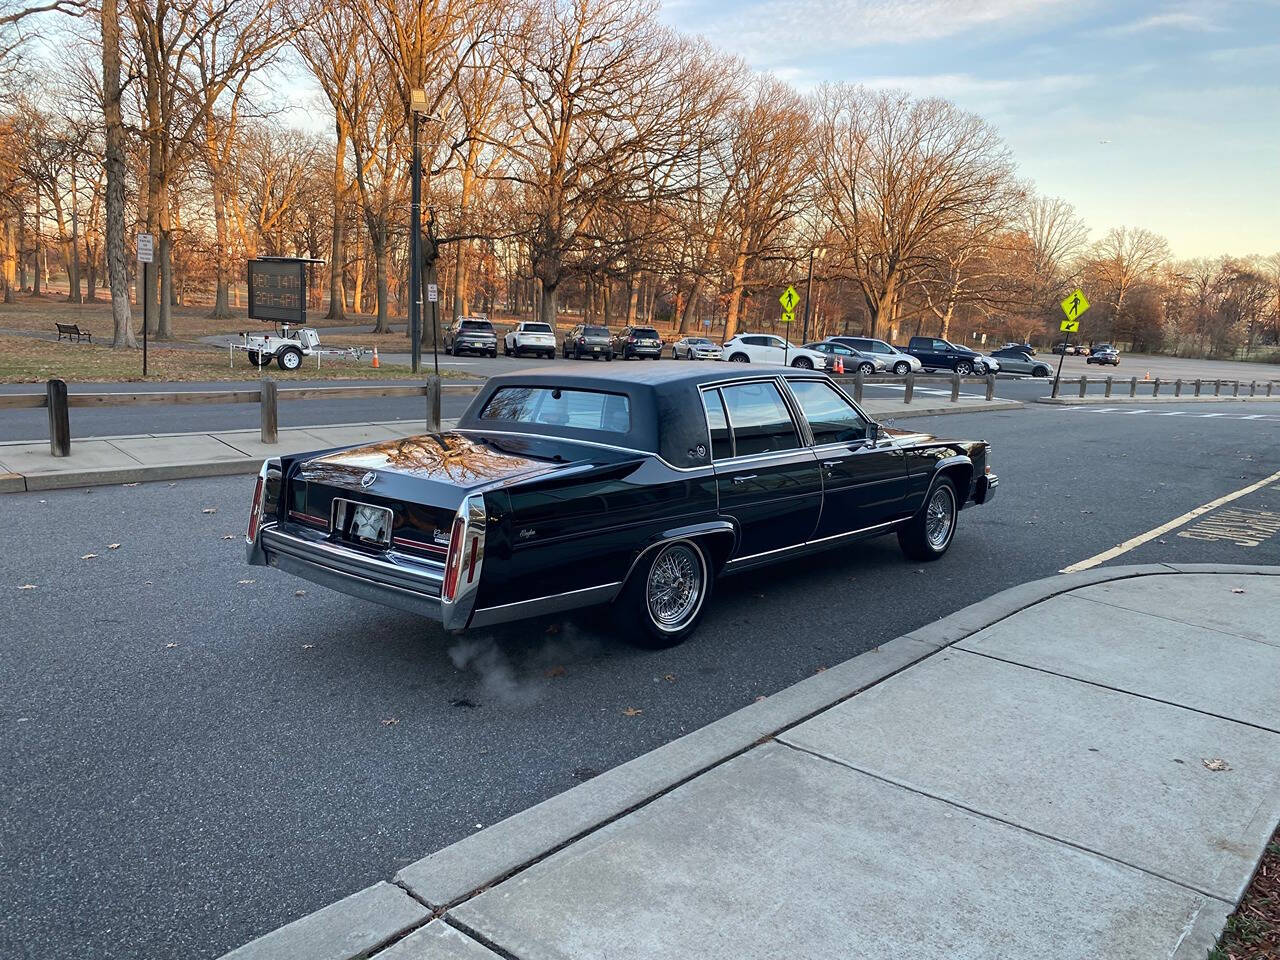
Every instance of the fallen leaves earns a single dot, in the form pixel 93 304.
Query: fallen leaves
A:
pixel 113 546
pixel 1217 764
pixel 170 646
pixel 134 484
pixel 229 536
pixel 27 586
pixel 390 721
pixel 89 556
pixel 299 593
pixel 245 582
pixel 632 712
pixel 209 510
pixel 308 646
pixel 1237 589
pixel 670 677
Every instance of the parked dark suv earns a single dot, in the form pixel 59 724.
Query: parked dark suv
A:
pixel 586 340
pixel 637 342
pixel 1104 353
pixel 471 335
pixel 938 354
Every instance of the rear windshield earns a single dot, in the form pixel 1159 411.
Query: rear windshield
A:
pixel 645 332
pixel 595 331
pixel 580 409
pixel 484 325
pixel 537 328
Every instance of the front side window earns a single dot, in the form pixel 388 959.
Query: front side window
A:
pixel 778 342
pixel 579 409
pixel 832 418
pixel 879 346
pixel 759 418
pixel 941 346
pixel 721 443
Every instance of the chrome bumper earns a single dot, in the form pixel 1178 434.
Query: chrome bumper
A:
pixel 394 579
pixel 985 489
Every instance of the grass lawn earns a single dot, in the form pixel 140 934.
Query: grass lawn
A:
pixel 1253 931
pixel 29 360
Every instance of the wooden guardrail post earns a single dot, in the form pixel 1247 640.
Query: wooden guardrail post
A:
pixel 433 404
pixel 1269 388
pixel 1253 388
pixel 859 381
pixel 1107 392
pixel 955 387
pixel 1217 388
pixel 1084 384
pixel 1155 390
pixel 991 386
pixel 1177 387
pixel 59 419
pixel 1133 387
pixel 1235 388
pixel 911 387
pixel 1197 386
pixel 267 407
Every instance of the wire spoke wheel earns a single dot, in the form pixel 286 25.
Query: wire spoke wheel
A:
pixel 673 591
pixel 940 517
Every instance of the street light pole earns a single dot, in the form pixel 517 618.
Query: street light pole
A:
pixel 415 251
pixel 808 299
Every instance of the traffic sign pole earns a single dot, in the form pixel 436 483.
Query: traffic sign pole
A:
pixel 146 252
pixel 1073 306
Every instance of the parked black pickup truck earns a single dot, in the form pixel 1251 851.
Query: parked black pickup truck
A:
pixel 561 489
pixel 937 354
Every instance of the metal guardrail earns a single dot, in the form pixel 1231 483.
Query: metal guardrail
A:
pixel 909 380
pixel 268 397
pixel 1197 385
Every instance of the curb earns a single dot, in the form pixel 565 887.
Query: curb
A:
pixel 952 409
pixel 1124 401
pixel 449 876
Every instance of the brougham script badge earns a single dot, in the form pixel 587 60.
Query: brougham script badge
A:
pixel 367 480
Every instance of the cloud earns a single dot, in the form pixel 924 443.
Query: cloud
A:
pixel 961 86
pixel 769 31
pixel 1182 20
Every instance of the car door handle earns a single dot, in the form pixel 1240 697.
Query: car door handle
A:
pixel 744 477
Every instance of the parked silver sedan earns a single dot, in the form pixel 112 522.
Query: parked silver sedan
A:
pixel 696 348
pixel 853 360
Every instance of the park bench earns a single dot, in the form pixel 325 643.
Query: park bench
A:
pixel 72 332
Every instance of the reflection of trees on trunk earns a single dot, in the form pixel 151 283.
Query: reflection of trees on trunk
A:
pixel 454 456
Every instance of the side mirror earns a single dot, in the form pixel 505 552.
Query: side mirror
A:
pixel 873 433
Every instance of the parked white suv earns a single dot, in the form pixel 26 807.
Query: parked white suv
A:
pixel 530 336
pixel 766 348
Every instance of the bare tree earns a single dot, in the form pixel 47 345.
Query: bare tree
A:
pixel 1123 258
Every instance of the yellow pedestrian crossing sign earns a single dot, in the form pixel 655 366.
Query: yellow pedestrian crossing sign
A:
pixel 788 317
pixel 789 299
pixel 1069 326
pixel 1073 306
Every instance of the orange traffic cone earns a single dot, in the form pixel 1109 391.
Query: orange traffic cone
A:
pixel 839 366
pixel 375 358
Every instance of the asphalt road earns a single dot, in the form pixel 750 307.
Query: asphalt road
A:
pixel 195 753
pixel 17 425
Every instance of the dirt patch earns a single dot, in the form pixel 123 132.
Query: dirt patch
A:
pixel 1253 931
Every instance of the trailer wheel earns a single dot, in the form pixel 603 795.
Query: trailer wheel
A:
pixel 259 359
pixel 290 358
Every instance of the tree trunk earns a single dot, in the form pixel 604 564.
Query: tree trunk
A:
pixel 735 295
pixel 547 308
pixel 381 264
pixel 36 282
pixel 73 263
pixel 687 314
pixel 9 270
pixel 633 298
pixel 338 241
pixel 221 233
pixel 117 276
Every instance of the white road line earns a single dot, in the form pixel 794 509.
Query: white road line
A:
pixel 1142 411
pixel 1173 524
pixel 1174 413
pixel 1207 415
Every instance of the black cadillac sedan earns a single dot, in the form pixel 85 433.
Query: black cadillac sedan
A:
pixel 561 489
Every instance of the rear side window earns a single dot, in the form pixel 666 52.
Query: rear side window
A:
pixel 831 417
pixel 721 443
pixel 579 409
pixel 759 418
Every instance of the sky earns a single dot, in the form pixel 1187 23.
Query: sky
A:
pixel 1158 115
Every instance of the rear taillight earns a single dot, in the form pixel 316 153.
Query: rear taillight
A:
pixel 255 513
pixel 453 564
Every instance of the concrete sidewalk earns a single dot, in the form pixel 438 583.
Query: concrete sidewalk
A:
pixel 28 465
pixel 1082 767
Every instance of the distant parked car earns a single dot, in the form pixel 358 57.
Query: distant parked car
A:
pixel 853 359
pixel 1104 353
pixel 471 335
pixel 1023 347
pixel 530 336
pixel 766 348
pixel 586 340
pixel 636 343
pixel 1017 360
pixel 897 361
pixel 938 354
pixel 696 348
pixel 1071 349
